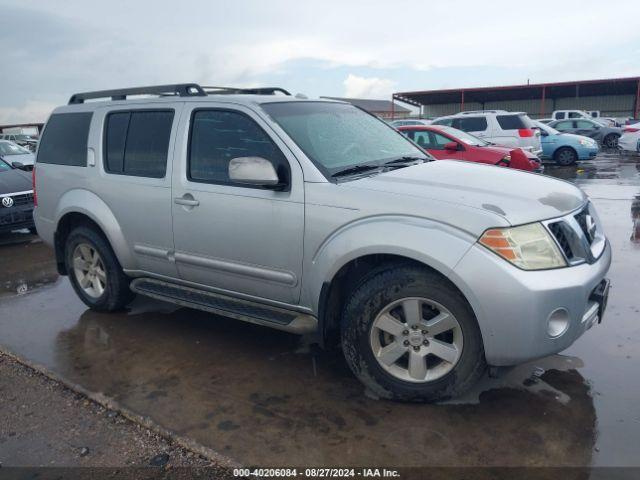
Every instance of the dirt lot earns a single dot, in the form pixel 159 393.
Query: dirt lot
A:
pixel 44 424
pixel 264 397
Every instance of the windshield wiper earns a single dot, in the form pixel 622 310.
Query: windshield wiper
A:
pixel 356 169
pixel 406 159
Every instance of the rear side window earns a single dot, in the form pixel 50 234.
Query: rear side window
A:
pixel 218 136
pixel 64 141
pixel 137 142
pixel 470 124
pixel 445 121
pixel 514 122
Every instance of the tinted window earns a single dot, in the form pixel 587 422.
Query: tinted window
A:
pixel 218 136
pixel 439 141
pixel 64 141
pixel 564 125
pixel 585 124
pixel 445 121
pixel 470 124
pixel 575 115
pixel 559 115
pixel 514 122
pixel 137 143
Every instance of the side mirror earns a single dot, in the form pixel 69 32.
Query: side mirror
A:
pixel 19 165
pixel 451 146
pixel 543 133
pixel 256 171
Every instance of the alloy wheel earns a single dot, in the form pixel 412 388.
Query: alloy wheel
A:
pixel 416 339
pixel 89 270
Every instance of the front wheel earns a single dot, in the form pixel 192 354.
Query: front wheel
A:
pixel 94 271
pixel 565 156
pixel 611 140
pixel 409 335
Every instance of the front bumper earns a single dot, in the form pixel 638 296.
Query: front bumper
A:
pixel 587 153
pixel 513 306
pixel 16 218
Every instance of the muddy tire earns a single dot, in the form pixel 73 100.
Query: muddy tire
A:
pixel 94 271
pixel 398 327
pixel 565 156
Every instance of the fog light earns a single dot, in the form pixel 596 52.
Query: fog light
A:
pixel 558 322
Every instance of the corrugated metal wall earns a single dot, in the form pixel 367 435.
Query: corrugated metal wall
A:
pixel 609 106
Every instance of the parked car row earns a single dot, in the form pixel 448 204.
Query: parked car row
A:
pixel 27 141
pixel 573 135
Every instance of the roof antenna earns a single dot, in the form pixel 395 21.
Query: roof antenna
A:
pixel 301 96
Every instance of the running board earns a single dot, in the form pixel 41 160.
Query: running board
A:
pixel 252 312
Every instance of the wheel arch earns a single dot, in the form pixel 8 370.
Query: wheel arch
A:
pixel 81 207
pixel 334 273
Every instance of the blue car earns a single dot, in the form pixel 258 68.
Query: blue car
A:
pixel 565 148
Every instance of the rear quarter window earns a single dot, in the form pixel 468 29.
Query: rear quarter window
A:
pixel 470 124
pixel 514 122
pixel 137 142
pixel 64 141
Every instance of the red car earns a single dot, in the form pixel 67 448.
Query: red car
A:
pixel 448 143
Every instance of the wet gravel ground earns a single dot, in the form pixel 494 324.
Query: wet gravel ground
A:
pixel 45 424
pixel 264 397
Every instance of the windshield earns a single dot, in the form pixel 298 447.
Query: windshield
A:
pixel 4 166
pixel 336 136
pixel 7 148
pixel 464 136
pixel 22 136
pixel 546 128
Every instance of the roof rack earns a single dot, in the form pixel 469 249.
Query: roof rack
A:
pixel 179 89
pixel 248 91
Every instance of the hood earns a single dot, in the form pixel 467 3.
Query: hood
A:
pixel 15 180
pixel 24 158
pixel 519 197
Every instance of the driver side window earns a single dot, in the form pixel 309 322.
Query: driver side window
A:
pixel 218 136
pixel 439 141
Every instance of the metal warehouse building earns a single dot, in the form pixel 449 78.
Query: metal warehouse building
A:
pixel 616 97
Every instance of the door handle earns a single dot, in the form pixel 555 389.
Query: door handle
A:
pixel 186 200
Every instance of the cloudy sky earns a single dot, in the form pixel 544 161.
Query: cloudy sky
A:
pixel 337 48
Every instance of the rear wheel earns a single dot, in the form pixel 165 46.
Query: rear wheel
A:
pixel 94 271
pixel 409 335
pixel 565 156
pixel 611 140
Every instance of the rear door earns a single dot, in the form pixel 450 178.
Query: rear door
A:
pixel 585 127
pixel 135 179
pixel 228 236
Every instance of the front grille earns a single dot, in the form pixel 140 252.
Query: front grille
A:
pixel 558 231
pixel 22 199
pixel 581 218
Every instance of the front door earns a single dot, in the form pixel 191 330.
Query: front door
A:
pixel 228 236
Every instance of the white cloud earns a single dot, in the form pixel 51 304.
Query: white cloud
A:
pixel 29 112
pixel 372 87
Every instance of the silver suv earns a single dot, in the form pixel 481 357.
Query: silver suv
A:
pixel 316 217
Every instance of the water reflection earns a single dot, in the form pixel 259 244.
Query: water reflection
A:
pixel 25 265
pixel 248 392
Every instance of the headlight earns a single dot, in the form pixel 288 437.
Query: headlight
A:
pixel 586 143
pixel 529 247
